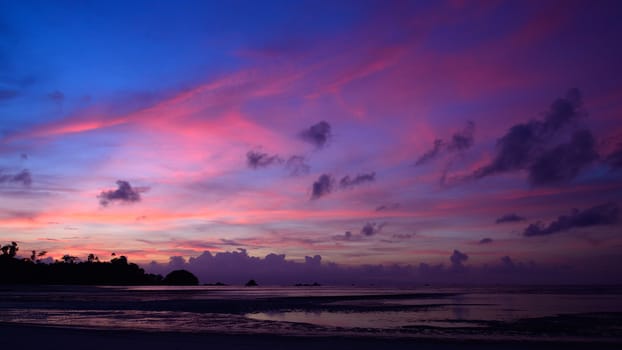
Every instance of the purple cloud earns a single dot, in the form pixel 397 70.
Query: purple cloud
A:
pixel 24 177
pixel 348 182
pixel 457 259
pixel 125 193
pixel 255 159
pixel 459 141
pixel 323 186
pixel 509 218
pixel 372 228
pixel 237 267
pixel 564 161
pixel 604 214
pixel 318 134
pixel 528 146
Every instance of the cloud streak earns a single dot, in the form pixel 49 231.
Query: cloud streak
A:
pixel 349 182
pixel 460 141
pixel 23 177
pixel 256 159
pixel 509 218
pixel 604 214
pixel 326 183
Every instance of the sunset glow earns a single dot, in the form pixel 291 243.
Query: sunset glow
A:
pixel 365 132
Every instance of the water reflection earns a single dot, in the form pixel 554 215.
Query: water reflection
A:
pixel 290 310
pixel 373 320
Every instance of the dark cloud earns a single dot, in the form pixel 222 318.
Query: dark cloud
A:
pixel 22 177
pixel 318 134
pixel 369 229
pixel 297 165
pixel 509 218
pixel 6 95
pixel 255 159
pixel 431 154
pixel 565 161
pixel 462 140
pixel 56 96
pixel 125 193
pixel 387 207
pixel 237 267
pixel 531 146
pixel 604 214
pixel 348 182
pixel 614 159
pixel 403 235
pixel 323 186
pixel 485 241
pixel 458 258
pixel 459 141
pixel 372 228
pixel 515 150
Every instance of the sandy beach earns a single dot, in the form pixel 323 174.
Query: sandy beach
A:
pixel 17 336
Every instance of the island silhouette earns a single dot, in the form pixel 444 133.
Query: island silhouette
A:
pixel 70 270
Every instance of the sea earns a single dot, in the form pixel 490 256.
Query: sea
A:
pixel 592 313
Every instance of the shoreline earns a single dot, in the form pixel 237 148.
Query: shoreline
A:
pixel 56 337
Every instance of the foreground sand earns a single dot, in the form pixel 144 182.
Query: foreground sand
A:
pixel 20 336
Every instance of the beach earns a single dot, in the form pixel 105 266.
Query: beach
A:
pixel 304 318
pixel 15 336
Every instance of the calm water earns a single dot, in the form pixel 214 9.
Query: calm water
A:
pixel 322 310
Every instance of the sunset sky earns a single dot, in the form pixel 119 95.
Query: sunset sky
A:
pixel 366 132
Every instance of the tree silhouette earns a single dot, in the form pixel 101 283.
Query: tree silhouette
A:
pixel 69 259
pixel 122 260
pixel 10 250
pixel 41 255
pixel 70 270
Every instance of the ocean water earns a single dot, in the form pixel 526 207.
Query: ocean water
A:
pixel 593 313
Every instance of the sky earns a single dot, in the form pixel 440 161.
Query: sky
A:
pixel 380 140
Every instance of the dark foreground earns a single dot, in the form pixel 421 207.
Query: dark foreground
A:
pixel 16 336
pixel 55 317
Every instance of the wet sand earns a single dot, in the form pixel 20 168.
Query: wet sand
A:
pixel 18 336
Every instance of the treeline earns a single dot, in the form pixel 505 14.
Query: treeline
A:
pixel 69 270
